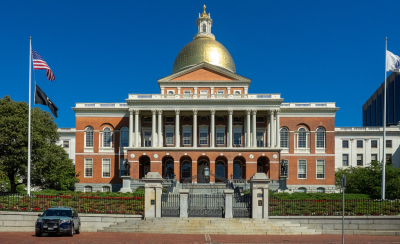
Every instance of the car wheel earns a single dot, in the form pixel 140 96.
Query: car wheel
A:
pixel 38 234
pixel 78 231
pixel 71 233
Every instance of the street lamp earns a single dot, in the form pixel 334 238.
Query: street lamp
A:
pixel 206 173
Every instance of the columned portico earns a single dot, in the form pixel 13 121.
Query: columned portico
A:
pixel 177 134
pixel 130 128
pixel 271 128
pixel 229 136
pixel 160 140
pixel 248 128
pixel 254 127
pixel 277 128
pixel 212 129
pixel 194 128
pixel 137 128
pixel 153 128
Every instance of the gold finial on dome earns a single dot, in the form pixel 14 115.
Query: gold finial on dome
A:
pixel 204 14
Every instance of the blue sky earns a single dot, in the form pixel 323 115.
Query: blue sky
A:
pixel 100 51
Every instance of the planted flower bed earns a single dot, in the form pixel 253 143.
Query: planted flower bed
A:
pixel 360 207
pixel 83 204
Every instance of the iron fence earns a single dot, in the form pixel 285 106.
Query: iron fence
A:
pixel 333 207
pixel 241 207
pixel 170 205
pixel 83 204
pixel 206 205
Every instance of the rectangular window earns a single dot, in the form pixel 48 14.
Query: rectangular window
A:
pixel 169 119
pixel 88 167
pixel 237 136
pixel 203 94
pixel 220 93
pixel 360 160
pixel 345 159
pixel 345 144
pixel 65 144
pixel 260 139
pixel 388 159
pixel 374 144
pixel 146 119
pixel 320 169
pixel 169 136
pixel 388 143
pixel 147 139
pixel 374 157
pixel 237 119
pixel 106 168
pixel 220 136
pixel 203 136
pixel 359 144
pixel 302 169
pixel 187 136
pixel 260 119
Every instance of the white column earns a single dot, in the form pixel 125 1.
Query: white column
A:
pixel 177 134
pixel 130 128
pixel 153 128
pixel 228 90
pixel 159 141
pixel 254 126
pixel 271 128
pixel 229 137
pixel 268 137
pixel 212 128
pixel 277 128
pixel 194 128
pixel 136 128
pixel 246 89
pixel 248 124
pixel 195 90
pixel 179 90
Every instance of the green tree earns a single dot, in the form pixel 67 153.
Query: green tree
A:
pixel 50 166
pixel 368 180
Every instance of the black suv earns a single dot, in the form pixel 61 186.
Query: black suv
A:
pixel 55 220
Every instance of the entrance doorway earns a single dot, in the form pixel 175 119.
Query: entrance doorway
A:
pixel 201 165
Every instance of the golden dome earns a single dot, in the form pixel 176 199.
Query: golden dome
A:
pixel 204 49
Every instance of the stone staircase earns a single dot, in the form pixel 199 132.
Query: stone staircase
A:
pixel 211 226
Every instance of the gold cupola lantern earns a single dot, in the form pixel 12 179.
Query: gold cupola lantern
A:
pixel 204 48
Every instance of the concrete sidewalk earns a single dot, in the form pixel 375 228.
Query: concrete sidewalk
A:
pixel 29 237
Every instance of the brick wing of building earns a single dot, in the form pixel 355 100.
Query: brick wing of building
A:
pixel 203 117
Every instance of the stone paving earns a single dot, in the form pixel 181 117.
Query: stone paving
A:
pixel 28 237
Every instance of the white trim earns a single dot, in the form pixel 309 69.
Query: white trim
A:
pixel 84 167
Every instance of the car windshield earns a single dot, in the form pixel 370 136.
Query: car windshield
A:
pixel 57 212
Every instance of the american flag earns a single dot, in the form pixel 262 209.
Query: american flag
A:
pixel 39 63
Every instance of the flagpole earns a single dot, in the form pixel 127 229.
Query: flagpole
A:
pixel 29 120
pixel 384 127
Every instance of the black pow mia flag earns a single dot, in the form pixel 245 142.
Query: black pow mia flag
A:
pixel 41 98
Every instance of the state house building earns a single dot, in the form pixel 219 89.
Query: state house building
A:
pixel 204 116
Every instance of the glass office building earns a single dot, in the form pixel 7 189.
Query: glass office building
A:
pixel 373 108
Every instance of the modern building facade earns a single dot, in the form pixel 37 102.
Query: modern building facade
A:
pixel 359 146
pixel 205 117
pixel 373 108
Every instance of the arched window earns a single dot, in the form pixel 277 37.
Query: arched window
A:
pixel 302 138
pixel 320 190
pixel 106 137
pixel 169 169
pixel 220 169
pixel 302 190
pixel 284 137
pixel 320 137
pixel 186 169
pixel 237 169
pixel 124 136
pixel 204 28
pixel 88 189
pixel 89 134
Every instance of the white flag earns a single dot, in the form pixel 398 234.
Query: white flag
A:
pixel 392 62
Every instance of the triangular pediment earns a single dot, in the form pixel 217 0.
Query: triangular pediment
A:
pixel 204 72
